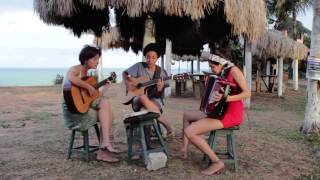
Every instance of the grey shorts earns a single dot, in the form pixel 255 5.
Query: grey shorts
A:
pixel 137 105
pixel 96 103
pixel 76 121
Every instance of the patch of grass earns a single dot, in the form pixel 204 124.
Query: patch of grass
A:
pixel 293 135
pixel 289 134
pixel 314 139
pixel 315 175
pixel 294 103
pixel 308 177
pixel 58 79
pixel 258 108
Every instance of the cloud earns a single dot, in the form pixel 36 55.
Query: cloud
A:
pixel 15 5
pixel 306 18
pixel 25 29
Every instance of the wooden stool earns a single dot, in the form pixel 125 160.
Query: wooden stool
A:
pixel 138 121
pixel 86 145
pixel 81 123
pixel 231 144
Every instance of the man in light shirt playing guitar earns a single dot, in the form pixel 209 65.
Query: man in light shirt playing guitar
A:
pixel 141 74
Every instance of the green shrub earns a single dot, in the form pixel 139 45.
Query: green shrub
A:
pixel 58 79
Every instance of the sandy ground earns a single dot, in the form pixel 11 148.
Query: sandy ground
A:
pixel 33 139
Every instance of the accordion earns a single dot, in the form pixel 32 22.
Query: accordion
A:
pixel 213 84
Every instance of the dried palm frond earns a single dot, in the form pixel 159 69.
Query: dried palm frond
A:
pixel 98 4
pixel 274 44
pixel 176 57
pixel 50 11
pixel 248 17
pixel 108 39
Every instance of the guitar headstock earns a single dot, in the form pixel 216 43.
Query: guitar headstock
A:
pixel 112 77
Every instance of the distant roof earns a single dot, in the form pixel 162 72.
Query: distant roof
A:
pixel 274 44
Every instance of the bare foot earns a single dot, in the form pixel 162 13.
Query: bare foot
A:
pixel 106 156
pixel 109 148
pixel 213 168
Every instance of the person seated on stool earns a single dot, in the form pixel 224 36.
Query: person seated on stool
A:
pixel 196 123
pixel 89 59
pixel 154 97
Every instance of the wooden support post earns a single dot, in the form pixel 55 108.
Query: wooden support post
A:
pixel 295 74
pixel 168 64
pixel 280 76
pixel 248 65
pixel 268 71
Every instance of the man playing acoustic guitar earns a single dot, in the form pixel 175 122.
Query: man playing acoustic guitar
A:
pixel 89 59
pixel 142 72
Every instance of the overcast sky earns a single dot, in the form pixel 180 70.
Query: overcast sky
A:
pixel 25 41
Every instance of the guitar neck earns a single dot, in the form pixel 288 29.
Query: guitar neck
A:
pixel 103 82
pixel 154 81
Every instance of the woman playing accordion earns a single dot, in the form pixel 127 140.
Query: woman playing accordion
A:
pixel 197 123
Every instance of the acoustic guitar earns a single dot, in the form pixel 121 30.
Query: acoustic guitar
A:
pixel 78 99
pixel 136 86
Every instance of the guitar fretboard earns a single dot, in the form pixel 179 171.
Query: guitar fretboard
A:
pixel 105 81
pixel 101 83
pixel 154 81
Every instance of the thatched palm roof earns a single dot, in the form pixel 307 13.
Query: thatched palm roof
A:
pixel 187 23
pixel 248 17
pixel 185 58
pixel 109 39
pixel 77 15
pixel 274 44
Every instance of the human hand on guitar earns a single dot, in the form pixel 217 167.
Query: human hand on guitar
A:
pixel 131 83
pixel 160 84
pixel 91 90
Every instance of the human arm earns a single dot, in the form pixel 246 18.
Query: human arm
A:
pixel 125 77
pixel 73 77
pixel 162 84
pixel 241 81
pixel 130 74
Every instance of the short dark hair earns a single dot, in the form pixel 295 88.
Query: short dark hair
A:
pixel 88 52
pixel 152 47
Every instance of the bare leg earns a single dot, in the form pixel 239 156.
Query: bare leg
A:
pixel 188 118
pixel 151 106
pixel 105 118
pixel 194 132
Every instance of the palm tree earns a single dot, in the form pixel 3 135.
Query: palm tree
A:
pixel 284 8
pixel 300 29
pixel 312 113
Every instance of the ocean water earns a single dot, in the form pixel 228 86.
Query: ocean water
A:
pixel 45 76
